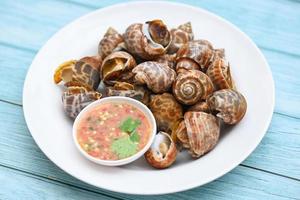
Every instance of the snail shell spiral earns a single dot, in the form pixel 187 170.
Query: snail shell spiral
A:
pixel 192 86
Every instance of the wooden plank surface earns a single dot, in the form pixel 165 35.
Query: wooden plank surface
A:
pixel 271 172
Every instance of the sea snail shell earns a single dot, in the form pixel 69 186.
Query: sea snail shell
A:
pixel 192 86
pixel 162 152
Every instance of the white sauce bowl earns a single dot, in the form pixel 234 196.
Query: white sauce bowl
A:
pixel 116 99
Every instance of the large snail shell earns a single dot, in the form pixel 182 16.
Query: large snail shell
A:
pixel 128 90
pixel 84 72
pixel 76 98
pixel 109 42
pixel 166 110
pixel 117 67
pixel 200 51
pixel 230 105
pixel 203 132
pixel 219 73
pixel 157 76
pixel 148 40
pixel 162 152
pixel 192 86
pixel 180 36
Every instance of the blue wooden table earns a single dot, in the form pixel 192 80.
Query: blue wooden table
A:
pixel 271 172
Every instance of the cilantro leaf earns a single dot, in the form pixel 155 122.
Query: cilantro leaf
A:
pixel 134 136
pixel 124 147
pixel 129 125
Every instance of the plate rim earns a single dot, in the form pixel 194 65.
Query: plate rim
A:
pixel 182 188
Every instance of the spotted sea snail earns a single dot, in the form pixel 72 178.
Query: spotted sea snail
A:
pixel 110 42
pixel 180 35
pixel 117 66
pixel 84 72
pixel 198 132
pixel 157 76
pixel 228 104
pixel 148 40
pixel 192 86
pixel 139 93
pixel 166 110
pixel 75 98
pixel 162 152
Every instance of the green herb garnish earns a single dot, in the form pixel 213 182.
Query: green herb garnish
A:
pixel 134 136
pixel 124 147
pixel 129 125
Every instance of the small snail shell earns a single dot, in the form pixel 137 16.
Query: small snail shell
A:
pixel 117 67
pixel 230 105
pixel 157 76
pixel 192 86
pixel 203 132
pixel 109 42
pixel 148 40
pixel 162 152
pixel 166 110
pixel 200 51
pixel 76 98
pixel 182 136
pixel 168 59
pixel 186 64
pixel 84 72
pixel 128 90
pixel 180 36
pixel 219 73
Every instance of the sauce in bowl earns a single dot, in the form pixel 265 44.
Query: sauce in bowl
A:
pixel 113 131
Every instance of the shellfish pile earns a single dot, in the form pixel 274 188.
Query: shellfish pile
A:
pixel 185 82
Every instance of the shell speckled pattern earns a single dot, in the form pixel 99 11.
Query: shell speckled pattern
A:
pixel 219 73
pixel 157 76
pixel 201 106
pixel 181 135
pixel 109 42
pixel 76 98
pixel 127 90
pixel 203 132
pixel 162 152
pixel 84 72
pixel 148 40
pixel 200 51
pixel 229 104
pixel 168 59
pixel 180 36
pixel 186 64
pixel 192 86
pixel 117 66
pixel 166 110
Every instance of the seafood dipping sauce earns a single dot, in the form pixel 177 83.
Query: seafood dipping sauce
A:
pixel 113 131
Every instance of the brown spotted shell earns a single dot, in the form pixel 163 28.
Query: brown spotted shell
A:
pixel 76 98
pixel 219 73
pixel 199 51
pixel 109 42
pixel 229 104
pixel 149 40
pixel 203 132
pixel 166 110
pixel 128 90
pixel 117 66
pixel 201 106
pixel 162 152
pixel 84 72
pixel 168 59
pixel 186 64
pixel 181 135
pixel 157 76
pixel 192 86
pixel 180 36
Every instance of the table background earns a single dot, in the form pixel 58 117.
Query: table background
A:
pixel 271 172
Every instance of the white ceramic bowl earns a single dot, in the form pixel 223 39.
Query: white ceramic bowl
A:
pixel 118 99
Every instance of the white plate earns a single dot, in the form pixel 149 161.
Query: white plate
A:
pixel 52 130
